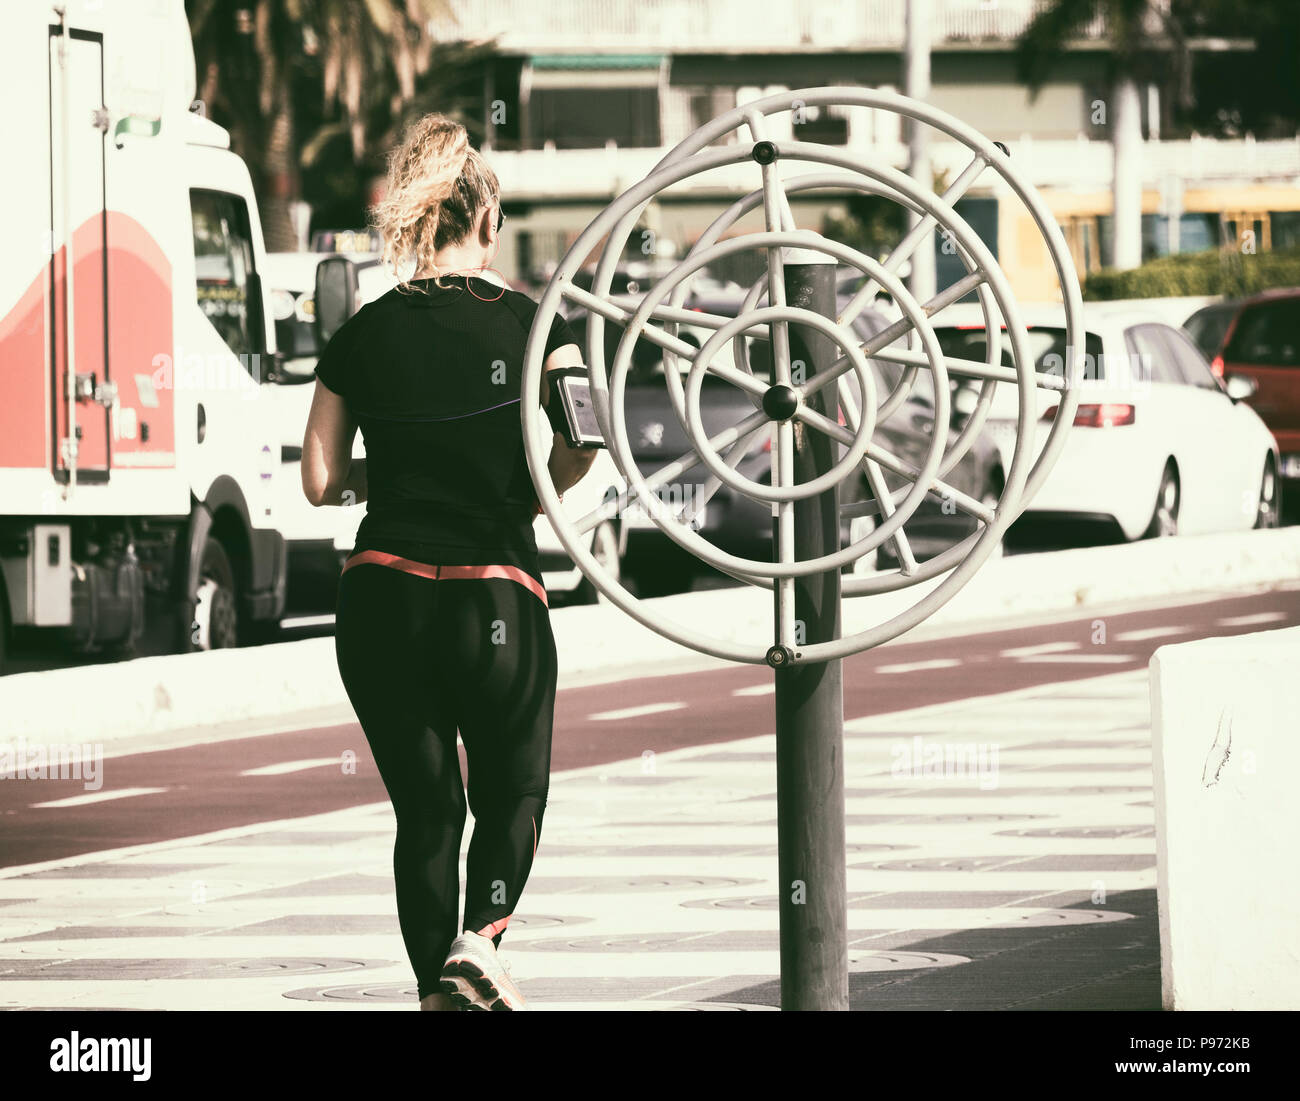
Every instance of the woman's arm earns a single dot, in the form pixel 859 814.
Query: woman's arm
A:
pixel 330 475
pixel 567 465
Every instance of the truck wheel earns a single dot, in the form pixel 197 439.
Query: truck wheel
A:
pixel 604 549
pixel 216 614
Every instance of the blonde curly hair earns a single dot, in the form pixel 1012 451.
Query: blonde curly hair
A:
pixel 437 185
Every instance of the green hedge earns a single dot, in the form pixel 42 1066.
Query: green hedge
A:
pixel 1198 273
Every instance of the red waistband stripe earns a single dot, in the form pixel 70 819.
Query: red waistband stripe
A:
pixel 447 573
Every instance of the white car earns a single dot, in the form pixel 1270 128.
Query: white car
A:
pixel 1159 444
pixel 319 538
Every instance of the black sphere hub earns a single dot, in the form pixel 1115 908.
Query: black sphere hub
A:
pixel 780 402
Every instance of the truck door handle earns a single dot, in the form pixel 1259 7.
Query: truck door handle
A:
pixel 203 422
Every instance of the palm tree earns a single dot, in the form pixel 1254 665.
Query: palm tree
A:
pixel 1143 36
pixel 254 59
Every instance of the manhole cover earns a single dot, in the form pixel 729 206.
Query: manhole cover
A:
pixel 860 962
pixel 127 970
pixel 724 1007
pixel 1071 917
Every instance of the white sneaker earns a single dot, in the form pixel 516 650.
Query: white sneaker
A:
pixel 475 977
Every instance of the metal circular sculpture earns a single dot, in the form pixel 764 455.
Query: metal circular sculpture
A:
pixel 783 402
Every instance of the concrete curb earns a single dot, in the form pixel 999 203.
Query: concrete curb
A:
pixel 101 703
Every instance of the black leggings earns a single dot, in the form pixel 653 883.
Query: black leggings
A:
pixel 422 658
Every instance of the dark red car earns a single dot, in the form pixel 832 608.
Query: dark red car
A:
pixel 1262 342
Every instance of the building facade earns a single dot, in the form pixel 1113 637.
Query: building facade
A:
pixel 583 98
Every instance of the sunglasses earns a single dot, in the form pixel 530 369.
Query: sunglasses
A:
pixel 501 218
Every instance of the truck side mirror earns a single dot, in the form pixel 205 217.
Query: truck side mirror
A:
pixel 336 296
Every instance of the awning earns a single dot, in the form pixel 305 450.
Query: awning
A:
pixel 596 61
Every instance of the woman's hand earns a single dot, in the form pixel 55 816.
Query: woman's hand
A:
pixel 568 465
pixel 330 475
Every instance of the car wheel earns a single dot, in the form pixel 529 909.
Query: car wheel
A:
pixel 216 618
pixel 1164 520
pixel 1269 511
pixel 989 499
pixel 859 528
pixel 604 549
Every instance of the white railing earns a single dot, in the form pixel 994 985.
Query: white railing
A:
pixel 1078 165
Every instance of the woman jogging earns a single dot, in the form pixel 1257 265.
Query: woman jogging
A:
pixel 442 622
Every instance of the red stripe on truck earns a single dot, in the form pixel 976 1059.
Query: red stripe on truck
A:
pixel 140 342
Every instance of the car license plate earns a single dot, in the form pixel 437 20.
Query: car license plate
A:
pixel 1291 466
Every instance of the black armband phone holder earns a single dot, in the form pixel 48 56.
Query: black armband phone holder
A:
pixel 570 409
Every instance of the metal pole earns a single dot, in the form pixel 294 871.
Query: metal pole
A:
pixel 809 696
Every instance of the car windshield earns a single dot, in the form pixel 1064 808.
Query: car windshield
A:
pixel 1268 335
pixel 1046 345
pixel 1207 328
pixel 295 335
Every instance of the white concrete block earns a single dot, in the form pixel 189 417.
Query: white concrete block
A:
pixel 1226 758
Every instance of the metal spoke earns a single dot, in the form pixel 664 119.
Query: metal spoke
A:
pixel 776 289
pixel 612 311
pixel 783 475
pixel 684 462
pixel 970 368
pixel 776 215
pixel 875 479
pixel 912 238
pixel 879 490
pixel 936 485
pixel 618 314
pixel 887 336
pixel 733 458
pixel 740 379
pixel 758 131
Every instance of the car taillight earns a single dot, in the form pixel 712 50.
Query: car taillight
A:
pixel 1106 415
pixel 1216 365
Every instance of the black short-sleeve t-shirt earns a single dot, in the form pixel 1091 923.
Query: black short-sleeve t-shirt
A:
pixel 433 378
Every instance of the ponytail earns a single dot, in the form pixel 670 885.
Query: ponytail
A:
pixel 437 184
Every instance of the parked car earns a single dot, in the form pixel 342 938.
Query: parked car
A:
pixel 1208 327
pixel 1160 445
pixel 1261 342
pixel 320 538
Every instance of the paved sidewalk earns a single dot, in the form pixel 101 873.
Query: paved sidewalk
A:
pixel 655 883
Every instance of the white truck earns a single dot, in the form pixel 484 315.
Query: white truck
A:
pixel 138 460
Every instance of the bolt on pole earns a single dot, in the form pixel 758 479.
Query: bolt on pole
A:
pixel 809 696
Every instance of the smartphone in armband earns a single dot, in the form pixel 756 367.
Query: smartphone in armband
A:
pixel 570 407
